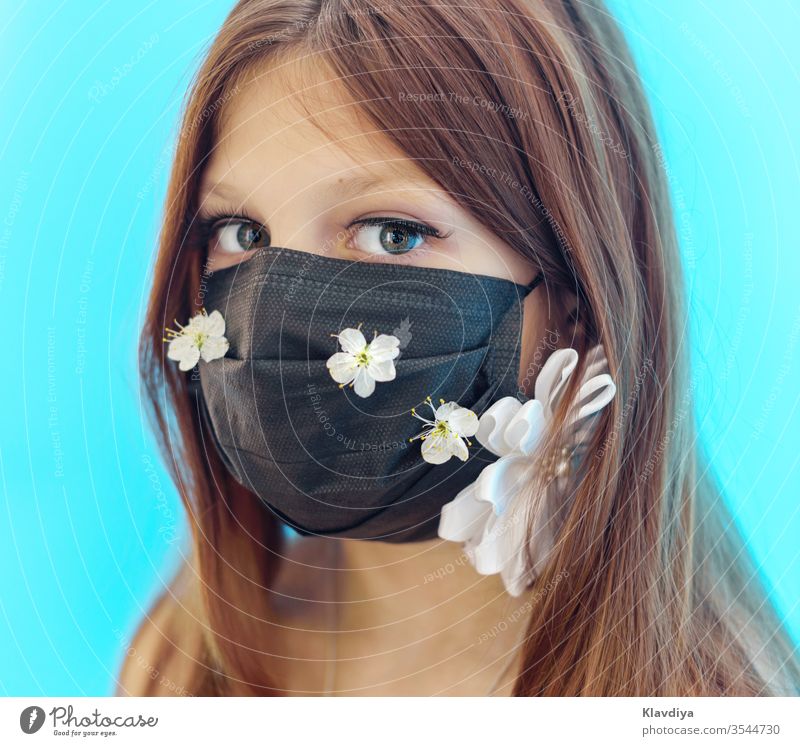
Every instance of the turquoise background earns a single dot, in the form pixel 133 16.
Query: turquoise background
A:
pixel 90 525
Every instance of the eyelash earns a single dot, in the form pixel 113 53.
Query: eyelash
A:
pixel 410 225
pixel 208 224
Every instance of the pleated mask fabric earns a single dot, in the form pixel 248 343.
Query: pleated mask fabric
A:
pixel 328 462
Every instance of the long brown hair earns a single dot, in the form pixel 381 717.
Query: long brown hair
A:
pixel 650 589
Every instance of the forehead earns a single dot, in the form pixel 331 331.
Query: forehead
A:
pixel 293 120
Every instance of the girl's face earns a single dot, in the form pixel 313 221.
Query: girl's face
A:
pixel 276 179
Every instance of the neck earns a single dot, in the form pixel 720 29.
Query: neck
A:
pixel 425 601
pixel 434 570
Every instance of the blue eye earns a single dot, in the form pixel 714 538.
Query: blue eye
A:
pixel 233 235
pixel 389 235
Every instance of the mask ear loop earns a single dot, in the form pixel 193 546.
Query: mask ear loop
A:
pixel 534 283
pixel 507 343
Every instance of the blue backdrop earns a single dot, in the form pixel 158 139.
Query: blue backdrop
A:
pixel 90 525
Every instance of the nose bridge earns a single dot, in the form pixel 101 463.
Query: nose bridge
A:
pixel 296 224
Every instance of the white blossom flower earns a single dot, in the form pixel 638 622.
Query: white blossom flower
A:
pixel 444 436
pixel 361 364
pixel 203 337
pixel 490 516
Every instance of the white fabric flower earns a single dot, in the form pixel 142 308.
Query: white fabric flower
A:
pixel 489 516
pixel 444 436
pixel 203 337
pixel 361 364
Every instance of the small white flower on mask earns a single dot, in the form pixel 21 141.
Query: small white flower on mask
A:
pixel 448 433
pixel 203 337
pixel 361 364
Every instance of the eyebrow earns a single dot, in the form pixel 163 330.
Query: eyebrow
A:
pixel 347 187
pixel 352 186
pixel 219 189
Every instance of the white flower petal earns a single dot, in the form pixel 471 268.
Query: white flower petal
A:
pixel 444 411
pixel 190 359
pixel 214 324
pixel 435 449
pixel 382 370
pixel 463 422
pixel 458 448
pixel 463 517
pixel 352 341
pixel 342 366
pixel 504 534
pixel 492 425
pixel 213 348
pixel 511 550
pixel 603 386
pixel 181 347
pixel 553 377
pixel 524 430
pixel 384 347
pixel 364 383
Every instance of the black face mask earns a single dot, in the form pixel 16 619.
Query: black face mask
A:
pixel 322 459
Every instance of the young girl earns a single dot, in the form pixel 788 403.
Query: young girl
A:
pixel 427 402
